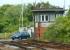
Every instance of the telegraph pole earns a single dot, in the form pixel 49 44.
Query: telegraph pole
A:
pixel 21 17
pixel 22 12
pixel 64 4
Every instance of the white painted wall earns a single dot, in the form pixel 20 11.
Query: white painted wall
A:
pixel 22 29
pixel 30 31
pixel 44 24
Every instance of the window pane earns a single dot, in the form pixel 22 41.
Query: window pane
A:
pixel 46 18
pixel 42 18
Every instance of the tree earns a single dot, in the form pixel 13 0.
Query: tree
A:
pixel 45 5
pixel 10 15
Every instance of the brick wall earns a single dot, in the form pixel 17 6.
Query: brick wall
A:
pixel 40 31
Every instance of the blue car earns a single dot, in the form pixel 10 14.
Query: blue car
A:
pixel 20 35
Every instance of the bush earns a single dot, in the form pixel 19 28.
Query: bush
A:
pixel 59 31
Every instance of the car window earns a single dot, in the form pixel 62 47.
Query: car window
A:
pixel 21 33
pixel 17 33
pixel 24 33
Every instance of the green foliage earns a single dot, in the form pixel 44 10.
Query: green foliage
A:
pixel 68 13
pixel 59 31
pixel 10 15
pixel 1 27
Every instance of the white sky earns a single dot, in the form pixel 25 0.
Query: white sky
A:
pixel 53 2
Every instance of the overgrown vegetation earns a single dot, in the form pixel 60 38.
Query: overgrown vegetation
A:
pixel 59 31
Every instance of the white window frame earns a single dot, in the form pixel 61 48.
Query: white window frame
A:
pixel 44 18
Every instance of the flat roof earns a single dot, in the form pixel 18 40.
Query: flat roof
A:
pixel 48 9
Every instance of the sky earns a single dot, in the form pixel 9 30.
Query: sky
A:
pixel 53 2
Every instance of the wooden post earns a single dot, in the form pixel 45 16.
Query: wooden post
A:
pixel 39 29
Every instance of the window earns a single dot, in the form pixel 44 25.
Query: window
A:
pixel 42 18
pixel 46 17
